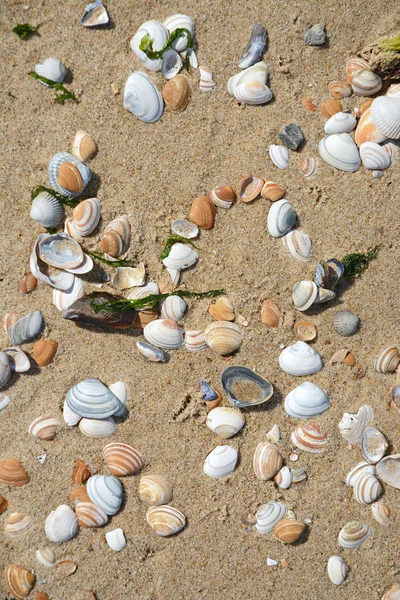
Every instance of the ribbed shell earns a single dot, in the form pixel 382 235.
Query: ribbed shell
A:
pixel 97 428
pixel 267 461
pixel 221 461
pixel 352 425
pixel 223 337
pixel 165 520
pixel 388 360
pixel 44 351
pixel 225 422
pixel 268 515
pixel 92 399
pixel 353 534
pixel 345 323
pixel 17 524
pixel 90 515
pixel 54 172
pixel 195 340
pixel 19 581
pixel 337 570
pixel 289 530
pixel 154 490
pixel 26 328
pixel 309 437
pixel 12 473
pixel 164 333
pixel 61 525
pixel 281 218
pixel 367 488
pixel 43 428
pixel 106 492
pixel 87 216
pixel 300 359
pixel 122 459
pixel 80 472
pixel 46 210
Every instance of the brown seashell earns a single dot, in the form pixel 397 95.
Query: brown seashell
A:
pixel 83 147
pixel 352 66
pixel 154 490
pixel 43 428
pixel 19 581
pixel 305 331
pixel 70 178
pixel 270 313
pixel 340 89
pixel 90 515
pixel 272 191
pixel 122 459
pixel 349 359
pixel 66 567
pixel 222 196
pixel 41 596
pixel 117 237
pixel 17 524
pixel 309 437
pixel 388 360
pixel 288 530
pixel 3 504
pixel 343 356
pixel 80 472
pixel 28 283
pixel 366 105
pixel 267 461
pixel 176 93
pixel 143 317
pixel 360 371
pixel 250 187
pixel 12 473
pixel 308 104
pixel 79 494
pixel 222 310
pixel 10 319
pixel 44 351
pixel 202 212
pixel 328 108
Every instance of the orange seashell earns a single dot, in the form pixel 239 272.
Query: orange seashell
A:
pixel 272 191
pixel 28 283
pixel 117 237
pixel 65 567
pixel 44 351
pixel 202 212
pixel 122 459
pixel 3 504
pixel 222 196
pixel 366 105
pixel 83 147
pixel 267 461
pixel 352 66
pixel 12 473
pixel 288 530
pixel 270 313
pixel 340 89
pixel 41 596
pixel 222 310
pixel 19 581
pixel 305 331
pixel 343 356
pixel 143 317
pixel 90 515
pixel 328 108
pixel 80 472
pixel 366 130
pixel 17 524
pixel 176 93
pixel 250 187
pixel 308 104
pixel 79 494
pixel 70 178
pixel 349 359
pixel 10 319
pixel 309 437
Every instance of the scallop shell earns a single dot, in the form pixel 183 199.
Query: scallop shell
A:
pixel 300 359
pixel 374 156
pixel 341 122
pixel 61 524
pixel 176 93
pixel 359 469
pixel 207 83
pixel 46 557
pixel 202 212
pixel 367 488
pixel 116 539
pixel 388 469
pixel 353 534
pixel 64 299
pixel 289 530
pixel 90 515
pixel 309 167
pixel 281 218
pixel 388 360
pixel 44 351
pixel 171 64
pixel 260 390
pixel 106 492
pixel 152 353
pixel 19 581
pixel 299 245
pixel 26 328
pixel 27 283
pixel 159 34
pixel 373 445
pixel 179 21
pixel 12 473
pixel 225 422
pixel 252 92
pixel 97 428
pixel 352 66
pixel 305 330
pixel 257 72
pixel 92 399
pixel 385 114
pixel 223 337
pixel 79 494
pixel 367 131
pixel 195 340
pixel 122 459
pixel 3 504
pixel 270 313
pixel 80 472
pixel 340 89
pixel 272 191
pixel 86 216
pixel 337 569
pixel 164 333
pixel 365 82
pixel 268 515
pixel 116 238
pixel 221 461
pixel 267 461
pixel 53 69
pixel 284 478
pixel 44 428
pixel 328 108
pixel 165 520
pixel 306 400
pixel 142 98
pixel 83 147
pixel 250 187
pixel 340 151
pixel 5 369
pixel 279 156
pixel 181 256
pixel 309 437
pixel 154 490
pixel 223 309
pixel 345 323
pixel 393 593
pixel 352 425
pixel 222 196
pixel 46 210
pixel 17 524
pixel 68 175
pixel 381 513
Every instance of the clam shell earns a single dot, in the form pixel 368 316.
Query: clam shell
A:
pixel 46 557
pixel 80 472
pixel 79 494
pixel 149 289
pixel 164 333
pixel 128 277
pixel 328 108
pixel 202 212
pixel 345 323
pixel 116 539
pixel 173 307
pixel 83 147
pixel 154 490
pixel 299 245
pixel 225 422
pixel 257 72
pixel 267 461
pixel 171 64
pixel 352 425
pixel 309 437
pixel 3 504
pixel 86 216
pixel 337 570
pixel 300 359
pixel 388 360
pixel 340 151
pixel 385 114
pixel 352 66
pixel 359 469
pixel 299 474
pixel 159 34
pixel 340 89
pixel 90 515
pixel 388 469
pixel 289 530
pixel 195 340
pixel 28 283
pixel 305 330
pixel 12 473
pixel 61 524
pixel 329 273
pixel 223 337
pixel 122 459
pixel 250 187
pixel 165 520
pixel 68 175
pixel 279 156
pixel 210 396
pixel 142 98
pixel 258 390
pixel 252 92
pixel 221 461
pixel 268 515
pixel 176 93
pixel 60 251
pixel 222 196
pixel 270 313
pixel 185 228
pixel 44 351
pixel 284 478
pixel 17 524
pixel 309 167
pixel 181 256
pixel 272 191
pixel 306 400
pixel 26 328
pixel 281 218
pixel 367 488
pixel 381 513
pixel 116 238
pixel 106 492
pixel 373 445
pixel 95 15
pixel 44 428
pixel 374 156
pixel 69 416
pixel 97 428
pixel 92 399
pixel 341 122
pixel 62 281
pixel 179 21
pixel 365 82
pixel 51 68
pixel 46 210
pixel 367 131
pixel 19 581
pixel 223 309
pixel 63 299
pixel 207 83
pixel 70 229
pixel 5 369
pixel 393 593
pixel 353 534
pixel 324 295
pixel 152 353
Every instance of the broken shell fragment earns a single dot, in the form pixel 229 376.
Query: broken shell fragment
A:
pixel 309 437
pixel 116 539
pixel 61 524
pixel 128 277
pixel 308 104
pixel 3 504
pixel 223 337
pixel 388 360
pixel 17 524
pixel 223 309
pixel 18 360
pixel 202 212
pixel 352 425
pixel 267 461
pixel 122 459
pixel 328 108
pixel 344 356
pixel 19 581
pixel 306 400
pixel 46 557
pixel 304 294
pixel 268 515
pixel 250 187
pixel 225 422
pixel 95 14
pixel 12 473
pixel 300 359
pixel 185 228
pixel 381 513
pixel 66 567
pixel 388 469
pixel 353 534
pixel 64 299
pixel 171 64
pixel 44 352
pixel 270 313
pixel 181 256
pixel 154 490
pixel 152 353
pixel 165 520
pixel 90 515
pixel 345 323
pixel 289 530
pixel 221 461
pixel 367 488
pixel 222 196
pixel 80 472
pixel 393 593
pixel 176 93
pixel 305 330
pixel 210 396
pixel 207 83
pixel 44 428
pixel 373 445
pixel 244 387
pixel 337 569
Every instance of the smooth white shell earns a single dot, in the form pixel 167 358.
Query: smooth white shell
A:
pixel 64 299
pixel 70 417
pixel 164 333
pixel 180 257
pixel 284 478
pixel 300 359
pixel 299 245
pixel 281 218
pixel 279 156
pixel 116 539
pixel 221 461
pixel 252 92
pixel 97 428
pixel 340 151
pixel 374 156
pixel 156 32
pixel 120 390
pixel 18 360
pixel 142 98
pixel 268 515
pixel 105 491
pixel 304 294
pixel 225 422
pixel 179 21
pixel 341 122
pixel 171 64
pixel 51 68
pixel 46 210
pixel 307 400
pixel 257 72
pixel 337 570
pixel 61 524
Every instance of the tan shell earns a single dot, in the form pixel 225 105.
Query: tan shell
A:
pixel 154 490
pixel 122 459
pixel 223 337
pixel 90 515
pixel 222 310
pixel 43 428
pixel 3 504
pixel 305 331
pixel 143 317
pixel 250 187
pixel 270 313
pixel 80 472
pixel 165 520
pixel 41 595
pixel 366 105
pixel 308 104
pixel 19 581
pixel 10 319
pixel 340 89
pixel 388 360
pixel 65 567
pixel 202 212
pixel 352 66
pixel 44 351
pixel 381 513
pixel 393 593
pixel 267 461
pixel 328 108
pixel 70 178
pixel 222 196
pixel 367 131
pixel 117 237
pixel 86 217
pixel 46 557
pixel 176 93
pixel 12 473
pixel 28 283
pixel 272 191
pixel 79 494
pixel 344 356
pixel 17 524
pixel 83 147
pixel 289 530
pixel 309 437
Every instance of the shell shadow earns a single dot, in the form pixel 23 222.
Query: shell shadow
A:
pixel 303 538
pixel 130 331
pixel 92 187
pixel 270 404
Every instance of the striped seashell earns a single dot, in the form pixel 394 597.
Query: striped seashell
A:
pixel 299 245
pixel 353 534
pixel 393 90
pixel 64 299
pixel 3 504
pixel 328 108
pixel 308 104
pixel 222 309
pixel 281 218
pixel 176 93
pixel 79 494
pixel 250 187
pixel 173 307
pixel 122 459
pixel 268 515
pixel 373 445
pixel 92 399
pixel 43 428
pixel 46 557
pixel 337 570
pixel 80 472
pixel 26 328
pixel 69 416
pixel 352 66
pixel 352 425
pixel 202 212
pixel 267 461
pixel 223 337
pixel 309 437
pixel 300 359
pixel 257 72
pixel 225 422
pixel 83 147
pixel 164 333
pixel 17 524
pixel 5 369
pixel 279 156
pixel 154 490
pixel 340 89
pixel 309 167
pixel 222 196
pixel 44 351
pixel 90 515
pixel 393 593
pixel 367 488
pixel 12 473
pixel 86 216
pixel 381 513
pixel 272 191
pixel 68 175
pixel 142 98
pixel 27 284
pixel 305 330
pixel 19 581
pixel 195 340
pixel 207 83
pixel 392 149
pixel 10 319
pixel 105 491
pixel 220 462
pixel 388 469
pixel 116 539
pixel 165 520
pixel 299 474
pixel 289 530
pixel 388 360
pixel 97 428
pixel 70 229
pixel 270 313
pixel 340 151
pixel 61 524
pixel 359 469
pixel 46 210
pixel 374 156
pixel 116 238
pixel 284 478
pixel 365 82
pixel 345 323
pixel 252 92
pixel 341 122
pixel 306 400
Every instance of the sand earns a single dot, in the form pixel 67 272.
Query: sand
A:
pixel 153 173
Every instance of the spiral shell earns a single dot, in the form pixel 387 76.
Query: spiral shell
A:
pixel 353 534
pixel 27 284
pixel 272 191
pixel 346 323
pixel 46 210
pixel 83 147
pixel 97 428
pixel 202 212
pixel 17 524
pixel 122 459
pixel 46 557
pixel 279 156
pixel 43 428
pixel 61 524
pixel 176 93
pixel 328 108
pixel 154 490
pixel 352 66
pixel 80 472
pixel 116 539
pixel 19 581
pixel 223 309
pixel 225 422
pixel 90 515
pixel 299 245
pixel 340 89
pixel 365 82
pixel 337 570
pixel 222 196
pixel 309 437
pixel 165 520
pixel 3 504
pixel 267 461
pixel 86 216
pixel 223 337
pixel 270 313
pixel 305 330
pixel 284 478
pixel 116 238
pixel 388 360
pixel 268 515
pixel 12 473
pixel 367 488
pixel 250 187
pixel 289 530
pixel 105 491
pixel 79 494
pixel 352 425
pixel 381 513
pixel 309 167
pixel 195 340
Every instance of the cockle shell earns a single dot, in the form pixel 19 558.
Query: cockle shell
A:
pixel 165 520
pixel 12 473
pixel 388 469
pixel 328 108
pixel 305 330
pixel 207 83
pixel 3 504
pixel 83 147
pixel 270 313
pixel 97 428
pixel 27 283
pixel 105 491
pixel 221 461
pixel 289 530
pixel 181 256
pixel 46 557
pixel 373 444
pixel 267 461
pixel 17 524
pixel 341 122
pixel 340 89
pixel 250 187
pixel 299 245
pixel 19 581
pixel 122 459
pixel 374 156
pixel 365 82
pixel 284 478
pixel 345 323
pixel 80 472
pixel 44 351
pixel 281 218
pixel 236 379
pixel 46 210
pixel 257 72
pixel 223 309
pixel 367 488
pixel 86 216
pixel 353 534
pixel 352 66
pixel 359 469
pixel 202 212
pixel 272 191
pixel 116 539
pixel 385 114
pixel 92 399
pixel 53 69
pixel 5 369
pixel 279 156
pixel 90 515
pixel 44 428
pixel 352 425
pixel 381 513
pixel 67 174
pixel 223 337
pixel 337 569
pixel 158 34
pixel 304 294
pixel 300 359
pixel 164 333
pixel 171 64
pixel 79 494
pixel 388 360
pixel 154 490
pixel 116 238
pixel 225 422
pixel 176 93
pixel 309 437
pixel 195 340
pixel 252 92
pixel 268 515
pixel 64 299
pixel 309 167
pixel 340 151
pixel 142 98
pixel 222 196
pixel 307 400
pixel 179 21
pixel 26 328
pixel 61 524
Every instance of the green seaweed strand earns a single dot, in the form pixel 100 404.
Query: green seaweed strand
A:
pixel 119 262
pixel 24 30
pixel 123 304
pixel 60 98
pixel 391 44
pixel 146 44
pixel 355 264
pixel 174 239
pixel 71 202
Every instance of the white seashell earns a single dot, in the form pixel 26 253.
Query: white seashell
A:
pixel 18 360
pixel 365 82
pixel 105 491
pixel 54 168
pixel 324 295
pixel 279 156
pixel 91 399
pixel 192 58
pixel 367 488
pixel 60 251
pixel 341 122
pixel 268 515
pixel 116 539
pixel 120 390
pixel 70 417
pixel 340 151
pixel 142 98
pixel 309 167
pixel 284 478
pixel 185 228
pixel 281 218
pixel 388 469
pixel 299 245
pixel 86 216
pixel 207 83
pixel 195 340
pixel 4 401
pixel 225 422
pixel 381 513
pixel 61 524
pixel 46 210
pixel 355 472
pixel 63 281
pixel 179 21
pixel 97 428
pixel 128 277
pixel 300 359
pixel 164 333
pixel 392 149
pixel 149 289
pixel 304 294
pixel 252 92
pixel 53 69
pixel 394 90
pixel 46 556
pixel 25 329
pixel 70 229
pixel 175 275
pixel 351 426
pixel 274 434
pixel 373 156
pixel 385 114
pixel 221 461
pixel 337 570
pixel 373 445
pixel 307 400
pixel 95 15
pixel 173 307
pixel 353 534
pixel 64 299
pixel 181 256
pixel 257 72
pixel 171 64
pixel 159 34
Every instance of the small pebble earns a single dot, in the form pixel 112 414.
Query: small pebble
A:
pixel 293 457
pixel 377 174
pixel 315 35
pixel 291 136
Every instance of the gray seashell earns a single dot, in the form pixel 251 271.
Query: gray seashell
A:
pixel 91 399
pixel 95 15
pixel 353 534
pixel 105 491
pixel 268 515
pixel 19 361
pixel 373 445
pixel 337 570
pixel 185 228
pixel 142 98
pixel 300 359
pixel 5 369
pixel 281 218
pixel 340 151
pixel 307 400
pixel 261 389
pixel 171 64
pixel 254 47
pixel 388 469
pixel 152 353
pixel 346 323
pixel 51 68
pixel 46 210
pixel 54 166
pixel 304 294
pixel 26 328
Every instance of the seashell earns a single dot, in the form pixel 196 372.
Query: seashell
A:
pixel 53 69
pixel 171 64
pixel 270 313
pixel 341 122
pixel 26 328
pixel 324 295
pixel 352 425
pixel 97 428
pixel 289 530
pixel 70 229
pixel 19 581
pixel 268 515
pixel 149 289
pixel 116 237
pixel 86 216
pixel 345 323
pixel 116 539
pixel 44 351
pixel 305 330
pixel 374 156
pixel 257 72
pixel 388 469
pixel 43 428
pixel 210 396
pixel 309 437
pixel 185 228
pixel 61 524
pixel 127 277
pixel 62 281
pixel 158 34
pixel 299 474
pixel 353 534
pixel 180 21
pixel 221 461
pixel 17 524
pixel 388 360
pixel 392 149
pixel 254 47
pixel 90 515
pixel 95 15
pixel 5 369
pixel 142 98
pixel 385 114
pixel 122 459
pixel 223 337
pixel 207 83
pixel 222 310
pixel 46 210
pixel 152 353
pixel 352 66
pixel 337 569
pixel 144 317
pixel 225 422
pixel 202 212
pixel 80 472
pixel 67 174
pixel 300 359
pixel 393 90
pixel 250 187
pixel 267 461
pixel 181 256
pixel 28 283
pixel 165 520
pixel 164 333
pixel 359 469
pixel 395 397
pixel 244 387
pixel 106 492
pixel 272 191
pixel 64 299
pixel 61 251
pixel 46 557
pixel 222 196
pixel 66 567
pixel 284 478
pixel 279 156
pixel 281 218
pixel 381 513
pixel 252 92
pixel 191 54
pixel 328 108
pixel 306 400
pixel 328 274
pixel 365 82
pixel 195 340
pixel 340 151
pixel 309 167
pixel 10 319
pixel 367 488
pixel 3 504
pixel 393 593
pixel 154 490
pixel 79 494
pixel 83 147
pixel 69 416
pixel 12 473
pixel 308 104
pixel 340 89
pixel 365 105
pixel 176 93
pixel 367 131
pixel 373 445
pixel 173 307
pixel 4 402
pixel 92 399
pixel 299 245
